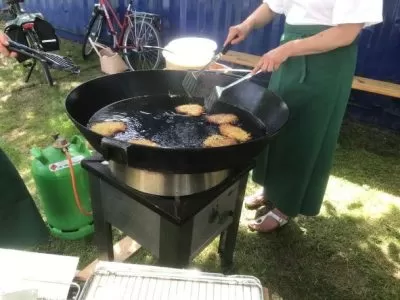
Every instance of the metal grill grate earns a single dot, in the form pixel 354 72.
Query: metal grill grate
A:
pixel 61 62
pixel 149 285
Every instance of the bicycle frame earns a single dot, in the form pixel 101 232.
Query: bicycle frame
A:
pixel 111 16
pixel 107 8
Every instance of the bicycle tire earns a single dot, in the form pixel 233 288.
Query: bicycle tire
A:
pixel 86 38
pixel 156 33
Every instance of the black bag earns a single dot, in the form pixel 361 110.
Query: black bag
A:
pixel 16 33
pixel 44 30
pixel 47 35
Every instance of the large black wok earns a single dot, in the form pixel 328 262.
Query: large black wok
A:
pixel 261 112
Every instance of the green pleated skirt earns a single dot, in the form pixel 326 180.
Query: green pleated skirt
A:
pixel 295 167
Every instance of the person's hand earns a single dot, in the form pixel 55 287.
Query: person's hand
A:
pixel 3 44
pixel 237 33
pixel 272 60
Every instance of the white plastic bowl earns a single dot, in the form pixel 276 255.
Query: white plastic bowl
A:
pixel 189 53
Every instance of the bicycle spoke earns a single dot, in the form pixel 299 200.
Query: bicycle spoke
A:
pixel 132 25
pixel 144 33
pixel 141 26
pixel 140 35
pixel 94 34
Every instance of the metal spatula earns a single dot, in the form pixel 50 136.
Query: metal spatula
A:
pixel 190 81
pixel 217 91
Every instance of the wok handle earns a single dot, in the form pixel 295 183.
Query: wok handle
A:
pixel 115 150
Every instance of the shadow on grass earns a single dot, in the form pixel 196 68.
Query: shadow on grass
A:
pixel 31 115
pixel 333 257
pixel 84 248
pixel 369 156
pixel 330 257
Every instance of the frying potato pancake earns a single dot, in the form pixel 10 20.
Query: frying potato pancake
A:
pixel 234 132
pixel 222 119
pixel 144 142
pixel 217 140
pixel 193 110
pixel 108 128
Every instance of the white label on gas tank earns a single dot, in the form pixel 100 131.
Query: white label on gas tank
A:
pixel 57 166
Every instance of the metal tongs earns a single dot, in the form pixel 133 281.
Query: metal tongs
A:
pixel 54 61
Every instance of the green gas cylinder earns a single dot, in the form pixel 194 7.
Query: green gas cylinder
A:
pixel 68 213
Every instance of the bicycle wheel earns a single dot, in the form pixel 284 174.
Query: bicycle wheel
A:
pixel 140 34
pixel 94 31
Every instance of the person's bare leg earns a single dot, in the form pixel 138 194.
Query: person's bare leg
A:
pixel 256 200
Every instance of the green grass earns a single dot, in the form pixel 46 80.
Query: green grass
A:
pixel 350 251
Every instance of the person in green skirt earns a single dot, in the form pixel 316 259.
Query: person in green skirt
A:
pixel 313 69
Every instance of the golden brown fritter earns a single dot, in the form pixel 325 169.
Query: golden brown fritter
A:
pixel 193 110
pixel 108 128
pixel 144 142
pixel 217 140
pixel 234 132
pixel 222 119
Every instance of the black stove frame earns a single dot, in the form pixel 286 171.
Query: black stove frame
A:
pixel 173 229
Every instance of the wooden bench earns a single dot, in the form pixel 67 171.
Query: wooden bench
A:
pixel 359 83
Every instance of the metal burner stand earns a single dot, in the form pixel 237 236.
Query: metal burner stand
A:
pixel 173 230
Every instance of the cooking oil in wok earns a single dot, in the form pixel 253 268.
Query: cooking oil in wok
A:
pixel 155 119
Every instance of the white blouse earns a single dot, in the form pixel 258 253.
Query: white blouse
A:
pixel 328 12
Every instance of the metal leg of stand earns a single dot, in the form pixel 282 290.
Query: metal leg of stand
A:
pixel 228 238
pixel 103 229
pixel 47 73
pixel 30 71
pixel 175 243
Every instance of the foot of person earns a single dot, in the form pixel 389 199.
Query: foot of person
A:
pixel 270 222
pixel 261 211
pixel 255 201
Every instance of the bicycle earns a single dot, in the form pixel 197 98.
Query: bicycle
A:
pixel 13 9
pixel 22 29
pixel 138 39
